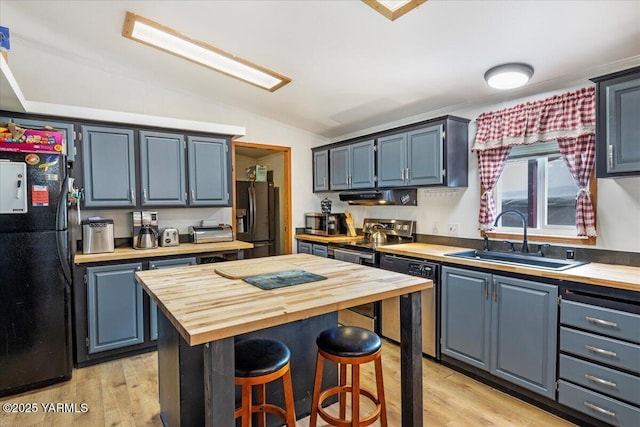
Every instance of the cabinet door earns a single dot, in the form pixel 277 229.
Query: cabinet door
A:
pixel 65 128
pixel 623 127
pixel 524 333
pixel 319 250
pixel 208 171
pixel 321 170
pixel 305 248
pixel 392 160
pixel 108 165
pixel 425 156
pixel 466 316
pixel 153 307
pixel 362 165
pixel 114 307
pixel 162 169
pixel 339 169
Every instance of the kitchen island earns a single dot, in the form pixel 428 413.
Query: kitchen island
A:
pixel 206 308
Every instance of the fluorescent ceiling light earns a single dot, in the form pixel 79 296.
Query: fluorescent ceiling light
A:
pixel 151 33
pixel 393 9
pixel 509 76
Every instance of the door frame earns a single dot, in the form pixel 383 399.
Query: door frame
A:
pixel 285 193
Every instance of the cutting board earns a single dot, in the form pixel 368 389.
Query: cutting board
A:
pixel 233 270
pixel 351 229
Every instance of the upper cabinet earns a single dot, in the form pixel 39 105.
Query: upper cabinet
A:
pixel 433 152
pixel 411 158
pixel 208 171
pixel 108 164
pixel 162 169
pixel 321 170
pixel 352 166
pixel 617 124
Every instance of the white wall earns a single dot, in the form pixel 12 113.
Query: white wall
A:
pixel 618 215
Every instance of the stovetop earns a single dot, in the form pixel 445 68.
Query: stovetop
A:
pixel 397 231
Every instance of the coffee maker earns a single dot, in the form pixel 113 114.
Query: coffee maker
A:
pixel 145 229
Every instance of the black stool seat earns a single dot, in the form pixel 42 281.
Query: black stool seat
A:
pixel 257 357
pixel 348 341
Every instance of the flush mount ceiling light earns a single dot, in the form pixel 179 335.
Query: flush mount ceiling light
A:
pixel 509 76
pixel 151 33
pixel 393 9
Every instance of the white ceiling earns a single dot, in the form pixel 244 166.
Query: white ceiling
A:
pixel 351 67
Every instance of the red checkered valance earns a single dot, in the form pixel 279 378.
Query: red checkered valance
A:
pixel 570 115
pixel 569 119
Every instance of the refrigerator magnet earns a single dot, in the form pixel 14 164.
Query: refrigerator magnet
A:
pixel 39 195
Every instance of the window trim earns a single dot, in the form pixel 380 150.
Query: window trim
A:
pixel 534 237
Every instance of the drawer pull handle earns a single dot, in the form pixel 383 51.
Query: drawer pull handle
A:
pixel 601 322
pixel 600 381
pixel 601 351
pixel 599 409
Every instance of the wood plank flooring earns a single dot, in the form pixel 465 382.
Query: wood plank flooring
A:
pixel 125 393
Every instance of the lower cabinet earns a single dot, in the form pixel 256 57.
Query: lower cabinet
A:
pixel 503 325
pixel 313 249
pixel 114 307
pixel 153 307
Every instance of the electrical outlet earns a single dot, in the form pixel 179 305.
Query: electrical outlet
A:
pixel 434 228
pixel 452 229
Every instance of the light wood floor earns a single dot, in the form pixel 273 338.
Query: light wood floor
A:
pixel 125 393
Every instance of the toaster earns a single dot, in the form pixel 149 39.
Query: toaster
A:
pixel 169 237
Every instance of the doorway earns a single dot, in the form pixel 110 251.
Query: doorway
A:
pixel 277 160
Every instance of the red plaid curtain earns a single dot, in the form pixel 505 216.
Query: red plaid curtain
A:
pixel 568 118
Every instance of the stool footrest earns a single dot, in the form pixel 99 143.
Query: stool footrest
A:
pixel 370 419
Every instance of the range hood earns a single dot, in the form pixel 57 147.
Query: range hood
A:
pixel 395 196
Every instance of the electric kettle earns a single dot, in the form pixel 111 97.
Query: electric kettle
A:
pixel 147 238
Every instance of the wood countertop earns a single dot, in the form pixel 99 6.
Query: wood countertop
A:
pixel 341 238
pixel 204 306
pixel 183 249
pixel 610 275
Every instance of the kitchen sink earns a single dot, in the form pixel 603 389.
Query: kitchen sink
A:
pixel 514 258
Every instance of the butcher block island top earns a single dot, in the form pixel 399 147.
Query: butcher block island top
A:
pixel 204 306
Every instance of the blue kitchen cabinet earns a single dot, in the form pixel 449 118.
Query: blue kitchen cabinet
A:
pixel 320 170
pixel 42 124
pixel 352 166
pixel 319 250
pixel 114 307
pixel 617 125
pixel 162 169
pixel 153 307
pixel 209 171
pixel 305 248
pixel 108 167
pixel 502 325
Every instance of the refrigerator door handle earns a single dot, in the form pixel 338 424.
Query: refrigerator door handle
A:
pixel 252 212
pixel 61 236
pixel 61 231
pixel 61 209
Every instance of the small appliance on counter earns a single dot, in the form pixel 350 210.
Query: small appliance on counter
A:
pixel 145 229
pixel 325 224
pixel 211 234
pixel 97 236
pixel 170 237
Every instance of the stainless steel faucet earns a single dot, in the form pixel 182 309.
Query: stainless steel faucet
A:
pixel 525 245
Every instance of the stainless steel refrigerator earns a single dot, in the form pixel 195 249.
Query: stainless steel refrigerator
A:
pixel 256 212
pixel 35 273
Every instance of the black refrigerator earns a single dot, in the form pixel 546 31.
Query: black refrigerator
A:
pixel 35 271
pixel 256 212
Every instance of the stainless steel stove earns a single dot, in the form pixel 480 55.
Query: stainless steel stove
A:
pixel 363 251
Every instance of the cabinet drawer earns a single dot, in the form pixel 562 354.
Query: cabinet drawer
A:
pixel 597 405
pixel 601 379
pixel 602 349
pixel 615 323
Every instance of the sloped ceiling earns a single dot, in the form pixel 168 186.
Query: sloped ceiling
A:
pixel 351 67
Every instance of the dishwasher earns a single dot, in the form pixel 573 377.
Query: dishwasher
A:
pixel 390 310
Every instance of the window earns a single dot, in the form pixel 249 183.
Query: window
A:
pixel 536 182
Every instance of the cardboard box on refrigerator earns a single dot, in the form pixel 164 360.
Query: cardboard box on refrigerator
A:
pixel 257 173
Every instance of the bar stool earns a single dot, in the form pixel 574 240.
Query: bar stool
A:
pixel 348 345
pixel 258 362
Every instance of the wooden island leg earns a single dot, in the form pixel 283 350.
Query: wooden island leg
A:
pixel 411 359
pixel 219 387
